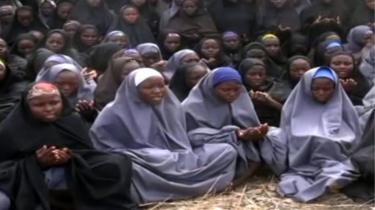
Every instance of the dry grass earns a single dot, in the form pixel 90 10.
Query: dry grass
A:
pixel 260 194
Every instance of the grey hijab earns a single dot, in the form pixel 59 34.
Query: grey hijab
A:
pixel 313 142
pixel 175 61
pixel 85 91
pixel 165 165
pixel 368 106
pixel 367 67
pixel 56 59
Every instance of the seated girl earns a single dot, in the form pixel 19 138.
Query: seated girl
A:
pixel 147 122
pixel 219 109
pixel 310 151
pixel 53 152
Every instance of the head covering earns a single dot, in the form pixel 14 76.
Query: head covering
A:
pixel 224 74
pixel 56 59
pixel 325 72
pixel 230 34
pixel 367 67
pixel 356 38
pixel 113 34
pixel 145 73
pixel 269 36
pixel 148 48
pixel 155 137
pixel 100 55
pixel 176 60
pixel 85 91
pixel 42 88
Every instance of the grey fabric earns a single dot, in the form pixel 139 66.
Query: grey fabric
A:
pixel 367 67
pixel 212 120
pixel 85 90
pixel 311 148
pixel 165 165
pixel 175 61
pixel 55 178
pixel 4 201
pixel 368 106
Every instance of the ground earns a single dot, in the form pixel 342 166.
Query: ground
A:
pixel 260 194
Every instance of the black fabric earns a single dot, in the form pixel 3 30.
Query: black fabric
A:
pixel 35 62
pixel 97 180
pixel 363 158
pixel 100 55
pixel 362 15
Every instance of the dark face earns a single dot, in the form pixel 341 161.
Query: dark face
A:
pixel 278 3
pixel 343 65
pixel 152 90
pixel 71 29
pixel 68 83
pixel 256 53
pixel 194 74
pixel 46 108
pixel 129 67
pixel 172 42
pixel 64 10
pixel 255 77
pixel 228 91
pixel 190 58
pixel 210 48
pixel 297 68
pixel 130 15
pixel 55 42
pixel 46 8
pixel 25 17
pixel 150 58
pixel 121 41
pixel 231 43
pixel 189 7
pixel 94 3
pixel 3 48
pixel 89 37
pixel 6 14
pixel 322 89
pixel 2 73
pixel 26 47
pixel 370 4
pixel 272 46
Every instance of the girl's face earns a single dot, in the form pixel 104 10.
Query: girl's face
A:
pixel 194 74
pixel 46 108
pixel 55 42
pixel 278 3
pixel 2 73
pixel 189 7
pixel 25 17
pixel 256 53
pixel 150 58
pixel 172 42
pixel 68 83
pixel 255 77
pixel 370 4
pixel 94 3
pixel 71 29
pixel 210 48
pixel 89 37
pixel 26 47
pixel 121 41
pixel 297 68
pixel 322 89
pixel 47 8
pixel 64 10
pixel 231 43
pixel 228 91
pixel 272 46
pixel 343 65
pixel 130 15
pixel 152 90
pixel 3 48
pixel 190 58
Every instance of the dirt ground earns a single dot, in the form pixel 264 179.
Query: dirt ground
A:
pixel 260 194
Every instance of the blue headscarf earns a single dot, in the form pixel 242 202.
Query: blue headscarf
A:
pixel 325 72
pixel 223 74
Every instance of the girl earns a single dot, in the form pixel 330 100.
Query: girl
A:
pixel 186 77
pixel 232 47
pixel 367 67
pixel 297 66
pixel 86 37
pixel 118 37
pixel 61 14
pixel 310 151
pixel 358 38
pixel 171 43
pixel 219 109
pixel 25 45
pixel 71 27
pixel 118 70
pixel 355 85
pixel 273 47
pixel 16 64
pixel 151 56
pixel 100 56
pixel 11 88
pixel 211 51
pixel 266 94
pixel 184 56
pixel 58 156
pixel 131 23
pixel 146 122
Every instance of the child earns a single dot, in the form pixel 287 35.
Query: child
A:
pixel 211 51
pixel 171 43
pixel 232 47
pixel 118 37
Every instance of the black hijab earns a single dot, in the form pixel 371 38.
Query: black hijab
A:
pixel 100 55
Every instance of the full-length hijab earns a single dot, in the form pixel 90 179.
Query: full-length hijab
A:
pixel 313 142
pixel 167 165
pixel 211 119
pixel 97 180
